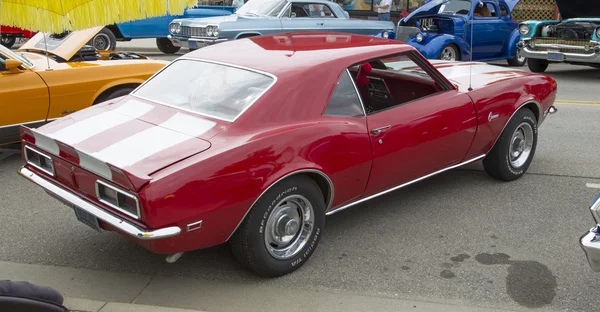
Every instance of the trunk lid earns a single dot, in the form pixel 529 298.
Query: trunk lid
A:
pixel 130 137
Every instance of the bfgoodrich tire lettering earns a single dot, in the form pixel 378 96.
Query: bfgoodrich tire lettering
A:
pixel 510 158
pixel 249 243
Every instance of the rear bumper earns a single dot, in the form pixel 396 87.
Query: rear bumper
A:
pixel 590 243
pixel 115 222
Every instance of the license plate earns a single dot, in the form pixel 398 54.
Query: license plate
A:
pixel 557 57
pixel 192 44
pixel 87 218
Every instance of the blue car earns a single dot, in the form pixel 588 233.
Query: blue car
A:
pixel 262 17
pixel 574 40
pixel 156 27
pixel 441 29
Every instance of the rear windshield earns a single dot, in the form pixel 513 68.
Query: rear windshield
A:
pixel 214 90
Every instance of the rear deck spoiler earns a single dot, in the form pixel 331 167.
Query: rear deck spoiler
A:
pixel 126 179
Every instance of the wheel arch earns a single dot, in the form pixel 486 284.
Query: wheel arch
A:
pixel 322 180
pixel 531 104
pixel 247 34
pixel 115 30
pixel 113 87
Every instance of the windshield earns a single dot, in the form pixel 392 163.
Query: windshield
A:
pixel 214 90
pixel 16 56
pixel 262 7
pixel 456 7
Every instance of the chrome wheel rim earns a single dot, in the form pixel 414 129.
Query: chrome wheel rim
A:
pixel 448 54
pixel 101 42
pixel 520 57
pixel 521 145
pixel 289 227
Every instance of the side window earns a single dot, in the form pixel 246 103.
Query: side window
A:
pixel 310 10
pixel 344 101
pixel 392 81
pixel 487 10
pixel 503 10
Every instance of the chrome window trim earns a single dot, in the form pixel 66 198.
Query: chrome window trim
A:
pixel 27 147
pixel 321 173
pixel 213 62
pixel 137 202
pixel 357 93
pixel 336 210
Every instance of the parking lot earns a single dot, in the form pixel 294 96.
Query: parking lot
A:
pixel 460 237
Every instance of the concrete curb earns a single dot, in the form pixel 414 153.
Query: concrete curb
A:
pixel 85 305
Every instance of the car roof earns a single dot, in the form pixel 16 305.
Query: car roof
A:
pixel 287 53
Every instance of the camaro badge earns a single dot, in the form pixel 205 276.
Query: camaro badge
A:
pixel 492 116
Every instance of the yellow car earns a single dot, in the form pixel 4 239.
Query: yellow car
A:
pixel 54 75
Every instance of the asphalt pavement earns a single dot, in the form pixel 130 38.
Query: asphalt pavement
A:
pixel 460 239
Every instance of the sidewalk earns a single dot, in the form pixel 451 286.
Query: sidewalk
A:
pixel 99 291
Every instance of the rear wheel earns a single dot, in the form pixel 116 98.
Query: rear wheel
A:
pixel 166 46
pixel 512 154
pixel 518 59
pixel 282 229
pixel 537 66
pixel 104 40
pixel 450 53
pixel 8 42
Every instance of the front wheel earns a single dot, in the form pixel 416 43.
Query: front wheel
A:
pixel 518 59
pixel 166 46
pixel 8 42
pixel 282 229
pixel 449 53
pixel 512 154
pixel 537 66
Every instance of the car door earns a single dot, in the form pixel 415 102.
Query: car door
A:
pixel 25 98
pixel 426 125
pixel 304 16
pixel 487 31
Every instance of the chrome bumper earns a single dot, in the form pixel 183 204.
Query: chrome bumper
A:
pixel 183 42
pixel 590 243
pixel 99 213
pixel 569 57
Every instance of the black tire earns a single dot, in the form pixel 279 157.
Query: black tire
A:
pixel 104 40
pixel 113 94
pixel 498 162
pixel 192 50
pixel 249 245
pixel 452 49
pixel 537 66
pixel 517 60
pixel 8 41
pixel 166 46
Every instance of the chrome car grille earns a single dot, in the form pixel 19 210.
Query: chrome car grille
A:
pixel 404 33
pixel 194 31
pixel 560 45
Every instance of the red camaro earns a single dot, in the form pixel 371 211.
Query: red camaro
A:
pixel 9 35
pixel 254 141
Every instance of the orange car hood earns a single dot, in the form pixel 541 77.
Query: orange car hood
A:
pixel 63 47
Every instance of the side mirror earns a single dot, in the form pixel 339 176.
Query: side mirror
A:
pixel 293 14
pixel 12 66
pixel 480 4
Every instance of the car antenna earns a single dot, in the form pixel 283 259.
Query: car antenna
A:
pixel 479 4
pixel 47 54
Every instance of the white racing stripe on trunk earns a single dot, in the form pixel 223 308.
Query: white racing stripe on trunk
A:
pixel 94 165
pixel 462 71
pixel 45 143
pixel 87 128
pixel 154 140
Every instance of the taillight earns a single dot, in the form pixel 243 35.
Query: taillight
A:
pixel 39 160
pixel 118 199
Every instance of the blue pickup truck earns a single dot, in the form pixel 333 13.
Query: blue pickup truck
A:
pixel 156 27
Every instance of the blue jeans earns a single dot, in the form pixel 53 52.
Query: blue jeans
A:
pixel 384 16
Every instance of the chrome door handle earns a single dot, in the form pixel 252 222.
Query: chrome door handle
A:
pixel 320 24
pixel 377 131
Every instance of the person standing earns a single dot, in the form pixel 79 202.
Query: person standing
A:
pixel 383 9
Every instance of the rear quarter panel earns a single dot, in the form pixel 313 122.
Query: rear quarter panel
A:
pixel 77 86
pixel 220 185
pixel 503 98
